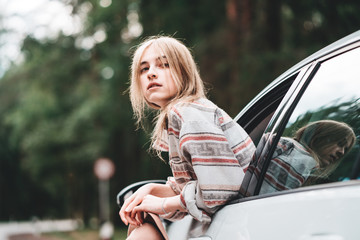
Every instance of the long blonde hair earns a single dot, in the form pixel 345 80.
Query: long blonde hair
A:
pixel 184 72
pixel 323 133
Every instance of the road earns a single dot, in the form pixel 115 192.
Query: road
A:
pixel 35 228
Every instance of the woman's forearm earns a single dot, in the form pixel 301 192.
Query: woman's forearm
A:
pixel 161 190
pixel 171 201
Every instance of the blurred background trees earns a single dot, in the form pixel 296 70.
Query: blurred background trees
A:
pixel 64 105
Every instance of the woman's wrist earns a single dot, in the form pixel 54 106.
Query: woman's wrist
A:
pixel 163 206
pixel 172 204
pixel 149 188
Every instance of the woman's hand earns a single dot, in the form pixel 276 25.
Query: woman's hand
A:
pixel 157 205
pixel 150 204
pixel 133 201
pixel 158 191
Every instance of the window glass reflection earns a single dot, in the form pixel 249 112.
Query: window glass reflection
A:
pixel 312 153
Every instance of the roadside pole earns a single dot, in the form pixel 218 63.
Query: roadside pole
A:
pixel 104 169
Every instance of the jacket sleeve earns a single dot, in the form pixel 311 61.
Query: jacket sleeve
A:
pixel 215 162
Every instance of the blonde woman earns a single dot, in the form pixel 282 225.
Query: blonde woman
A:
pixel 208 151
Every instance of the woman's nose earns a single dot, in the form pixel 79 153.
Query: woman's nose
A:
pixel 340 151
pixel 152 73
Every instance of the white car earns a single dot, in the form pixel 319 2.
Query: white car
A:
pixel 293 190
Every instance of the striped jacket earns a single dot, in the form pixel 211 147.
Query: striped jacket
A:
pixel 208 155
pixel 289 168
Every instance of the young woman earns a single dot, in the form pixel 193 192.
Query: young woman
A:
pixel 208 151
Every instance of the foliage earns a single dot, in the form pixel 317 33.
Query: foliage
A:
pixel 64 106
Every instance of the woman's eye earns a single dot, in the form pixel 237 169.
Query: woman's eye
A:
pixel 164 65
pixel 143 69
pixel 342 143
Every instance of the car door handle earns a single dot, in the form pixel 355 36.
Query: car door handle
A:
pixel 322 236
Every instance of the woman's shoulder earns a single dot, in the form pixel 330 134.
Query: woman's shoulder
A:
pixel 291 147
pixel 194 110
pixel 200 103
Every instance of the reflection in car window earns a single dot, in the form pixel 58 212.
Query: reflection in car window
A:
pixel 319 143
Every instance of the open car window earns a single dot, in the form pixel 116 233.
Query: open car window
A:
pixel 256 118
pixel 320 141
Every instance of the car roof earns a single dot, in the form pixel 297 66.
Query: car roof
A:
pixel 354 37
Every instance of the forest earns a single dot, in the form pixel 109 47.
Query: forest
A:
pixel 66 104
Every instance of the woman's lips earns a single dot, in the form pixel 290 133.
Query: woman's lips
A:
pixel 330 159
pixel 153 84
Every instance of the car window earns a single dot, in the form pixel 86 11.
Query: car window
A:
pixel 319 142
pixel 257 117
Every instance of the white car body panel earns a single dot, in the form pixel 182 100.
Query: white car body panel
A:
pixel 330 213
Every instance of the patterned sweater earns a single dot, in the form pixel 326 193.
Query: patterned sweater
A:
pixel 289 168
pixel 208 155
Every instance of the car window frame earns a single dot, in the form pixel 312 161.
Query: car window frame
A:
pixel 263 107
pixel 251 180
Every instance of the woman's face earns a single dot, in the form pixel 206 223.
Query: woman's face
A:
pixel 333 152
pixel 156 81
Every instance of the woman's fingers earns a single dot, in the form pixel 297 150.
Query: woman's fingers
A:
pixel 131 220
pixel 127 208
pixel 149 204
pixel 122 216
pixel 124 206
pixel 127 219
pixel 133 204
pixel 133 201
pixel 141 217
